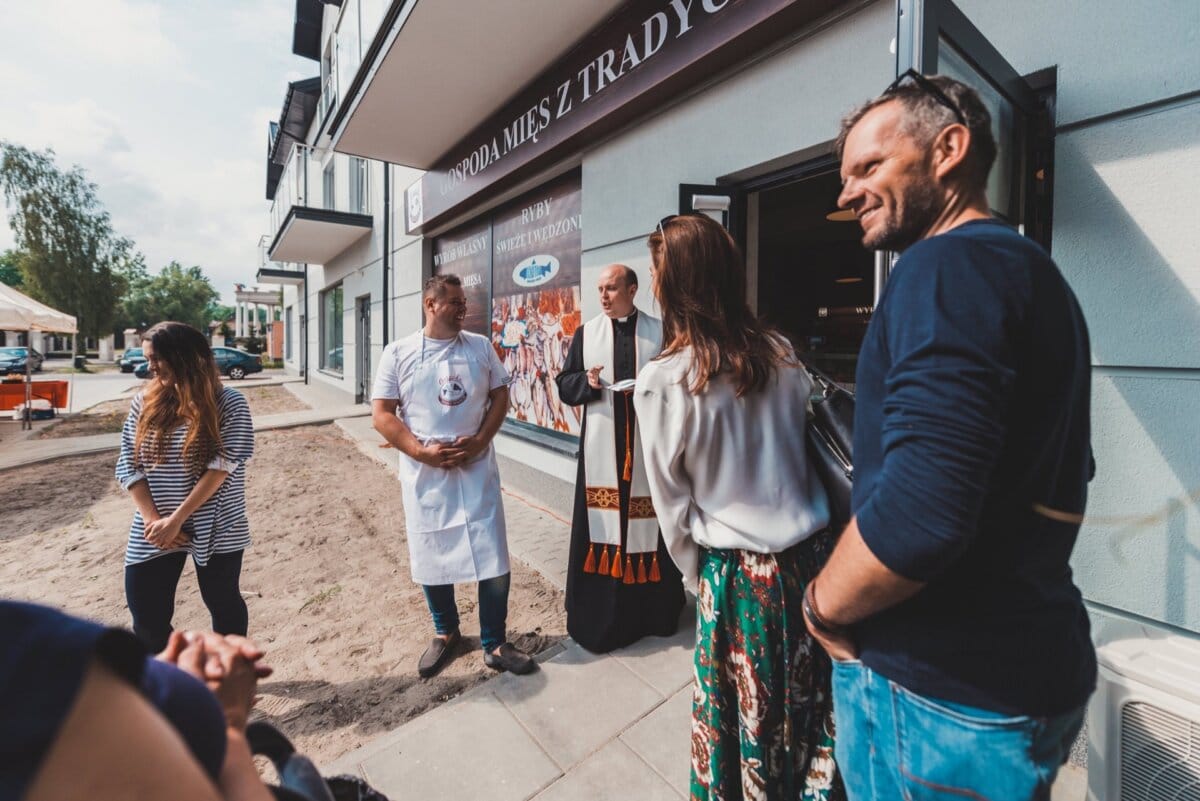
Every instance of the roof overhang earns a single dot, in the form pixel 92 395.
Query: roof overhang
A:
pixel 299 108
pixel 306 29
pixel 316 236
pixel 416 94
pixel 272 275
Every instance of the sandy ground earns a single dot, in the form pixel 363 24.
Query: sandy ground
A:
pixel 108 417
pixel 326 580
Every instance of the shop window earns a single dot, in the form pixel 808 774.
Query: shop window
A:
pixel 521 274
pixel 331 344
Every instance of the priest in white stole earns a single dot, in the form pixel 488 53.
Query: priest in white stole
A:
pixel 621 583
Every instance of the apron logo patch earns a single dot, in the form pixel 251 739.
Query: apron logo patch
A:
pixel 451 392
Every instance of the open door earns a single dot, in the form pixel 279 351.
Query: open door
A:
pixel 935 37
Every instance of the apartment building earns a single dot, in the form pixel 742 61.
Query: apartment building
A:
pixel 542 141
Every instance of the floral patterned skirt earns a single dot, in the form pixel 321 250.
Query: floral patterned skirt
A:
pixel 762 709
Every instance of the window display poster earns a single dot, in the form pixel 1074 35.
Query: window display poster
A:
pixel 536 259
pixel 467 252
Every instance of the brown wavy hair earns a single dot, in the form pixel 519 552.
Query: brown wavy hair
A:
pixel 700 283
pixel 189 396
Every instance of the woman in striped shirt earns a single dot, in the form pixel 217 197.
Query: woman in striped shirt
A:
pixel 183 460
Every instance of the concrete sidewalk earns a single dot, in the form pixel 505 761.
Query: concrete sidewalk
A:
pixel 606 727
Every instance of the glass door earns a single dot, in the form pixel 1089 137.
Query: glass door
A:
pixel 935 37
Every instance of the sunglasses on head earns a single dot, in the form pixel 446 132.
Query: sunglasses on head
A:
pixel 670 217
pixel 928 87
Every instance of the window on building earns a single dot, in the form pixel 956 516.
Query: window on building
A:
pixel 360 196
pixel 331 329
pixel 327 187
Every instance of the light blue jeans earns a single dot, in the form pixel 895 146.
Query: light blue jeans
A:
pixel 894 745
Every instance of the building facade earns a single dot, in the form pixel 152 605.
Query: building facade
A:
pixel 540 147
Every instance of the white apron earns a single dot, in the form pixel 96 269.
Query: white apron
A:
pixel 455 517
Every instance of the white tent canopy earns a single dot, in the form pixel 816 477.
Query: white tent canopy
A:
pixel 19 312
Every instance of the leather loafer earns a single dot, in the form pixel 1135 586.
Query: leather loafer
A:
pixel 510 659
pixel 436 655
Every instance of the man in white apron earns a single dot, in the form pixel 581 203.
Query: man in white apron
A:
pixel 440 396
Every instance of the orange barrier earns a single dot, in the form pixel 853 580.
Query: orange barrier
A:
pixel 12 393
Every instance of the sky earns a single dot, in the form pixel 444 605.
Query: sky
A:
pixel 165 104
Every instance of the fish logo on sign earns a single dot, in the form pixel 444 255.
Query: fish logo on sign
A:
pixel 536 270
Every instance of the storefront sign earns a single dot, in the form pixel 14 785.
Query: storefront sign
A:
pixel 649 51
pixel 521 271
pixel 467 253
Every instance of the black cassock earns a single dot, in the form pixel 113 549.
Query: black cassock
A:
pixel 604 613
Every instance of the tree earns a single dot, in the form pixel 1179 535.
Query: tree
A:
pixel 10 269
pixel 177 293
pixel 70 255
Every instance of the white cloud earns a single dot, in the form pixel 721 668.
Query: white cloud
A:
pixel 165 104
pixel 113 31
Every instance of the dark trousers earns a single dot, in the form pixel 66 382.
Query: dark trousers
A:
pixel 150 593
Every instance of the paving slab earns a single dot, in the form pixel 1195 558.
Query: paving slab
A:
pixel 474 749
pixel 614 773
pixel 665 663
pixel 663 740
pixel 577 702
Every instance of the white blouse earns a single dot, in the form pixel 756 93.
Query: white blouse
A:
pixel 724 471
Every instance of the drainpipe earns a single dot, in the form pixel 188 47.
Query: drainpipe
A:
pixel 304 338
pixel 387 243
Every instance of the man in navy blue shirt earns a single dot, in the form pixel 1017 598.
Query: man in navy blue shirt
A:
pixel 962 655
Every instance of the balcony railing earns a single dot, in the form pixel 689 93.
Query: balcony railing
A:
pixel 356 29
pixel 336 182
pixel 266 263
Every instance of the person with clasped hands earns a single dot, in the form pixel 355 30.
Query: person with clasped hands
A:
pixel 948 604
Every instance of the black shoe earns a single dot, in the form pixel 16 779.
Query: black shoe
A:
pixel 436 655
pixel 510 659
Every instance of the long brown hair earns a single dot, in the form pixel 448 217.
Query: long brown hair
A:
pixel 184 355
pixel 700 283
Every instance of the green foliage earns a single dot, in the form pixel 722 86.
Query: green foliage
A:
pixel 10 269
pixel 219 312
pixel 177 293
pixel 71 258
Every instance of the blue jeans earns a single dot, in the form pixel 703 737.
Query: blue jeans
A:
pixel 493 609
pixel 894 744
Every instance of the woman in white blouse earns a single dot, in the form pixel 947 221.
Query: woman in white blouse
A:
pixel 722 415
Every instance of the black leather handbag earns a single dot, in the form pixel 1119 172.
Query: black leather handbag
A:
pixel 830 443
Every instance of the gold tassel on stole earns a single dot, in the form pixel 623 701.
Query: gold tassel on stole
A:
pixel 654 574
pixel 589 564
pixel 604 561
pixel 641 578
pixel 616 565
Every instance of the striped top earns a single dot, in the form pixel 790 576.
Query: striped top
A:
pixel 220 524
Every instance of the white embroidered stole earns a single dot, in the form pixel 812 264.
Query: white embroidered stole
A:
pixel 599 457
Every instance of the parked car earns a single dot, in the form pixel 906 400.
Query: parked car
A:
pixel 234 363
pixel 131 359
pixel 12 360
pixel 237 363
pixel 333 359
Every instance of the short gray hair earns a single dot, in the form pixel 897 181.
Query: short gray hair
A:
pixel 435 285
pixel 925 118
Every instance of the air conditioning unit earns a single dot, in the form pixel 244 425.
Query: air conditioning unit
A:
pixel 1144 720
